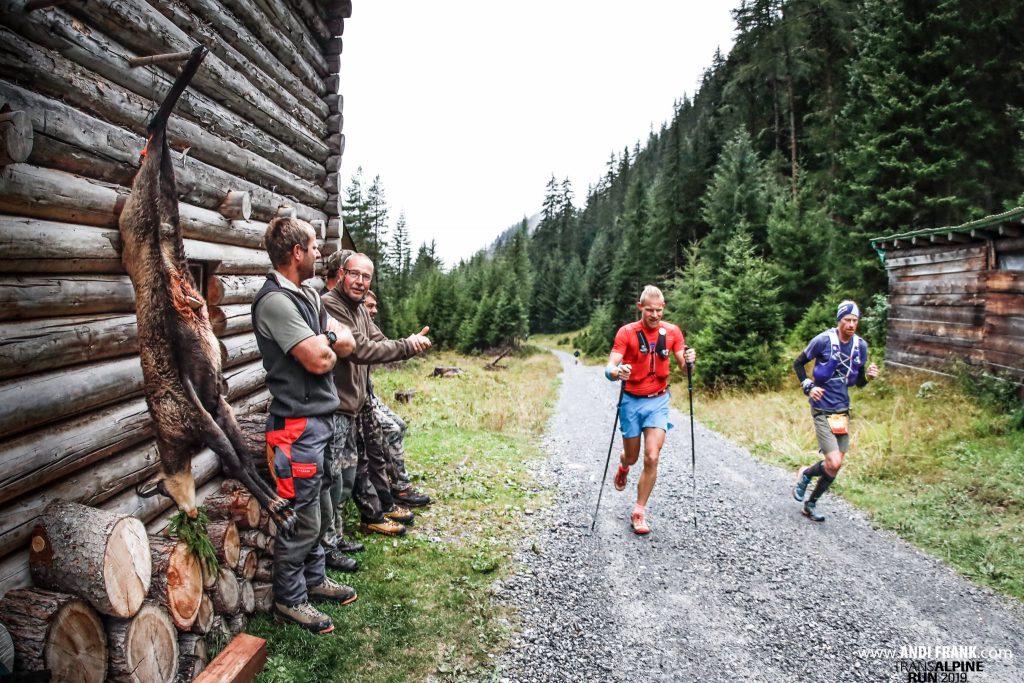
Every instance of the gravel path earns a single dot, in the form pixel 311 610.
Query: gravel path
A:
pixel 757 593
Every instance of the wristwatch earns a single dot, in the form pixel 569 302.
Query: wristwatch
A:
pixel 331 337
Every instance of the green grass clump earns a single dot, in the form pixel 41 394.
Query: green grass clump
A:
pixel 425 609
pixel 939 467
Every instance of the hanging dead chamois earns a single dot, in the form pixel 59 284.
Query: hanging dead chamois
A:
pixel 181 362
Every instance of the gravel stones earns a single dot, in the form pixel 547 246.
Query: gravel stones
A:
pixel 756 592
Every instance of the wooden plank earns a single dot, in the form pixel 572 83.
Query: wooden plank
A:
pixel 1004 281
pixel 1002 343
pixel 1009 326
pixel 970 284
pixel 239 349
pixel 934 255
pixel 961 265
pixel 952 333
pixel 35 346
pixel 903 336
pixel 233 319
pixel 27 190
pixel 23 298
pixel 965 315
pixel 954 300
pixel 1004 304
pixel 239 662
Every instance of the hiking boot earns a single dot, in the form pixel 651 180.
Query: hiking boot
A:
pixel 810 512
pixel 384 526
pixel 332 591
pixel 399 514
pixel 620 478
pixel 336 560
pixel 411 498
pixel 344 546
pixel 802 482
pixel 639 522
pixel 304 615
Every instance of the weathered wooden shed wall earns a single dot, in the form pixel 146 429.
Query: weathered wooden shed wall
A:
pixel 263 116
pixel 958 293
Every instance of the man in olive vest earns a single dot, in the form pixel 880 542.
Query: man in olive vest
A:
pixel 300 345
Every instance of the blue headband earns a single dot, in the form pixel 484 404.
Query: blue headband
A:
pixel 847 308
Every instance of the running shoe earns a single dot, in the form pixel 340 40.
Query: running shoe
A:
pixel 802 482
pixel 639 523
pixel 620 478
pixel 811 513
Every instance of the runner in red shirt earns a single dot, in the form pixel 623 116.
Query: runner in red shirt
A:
pixel 640 356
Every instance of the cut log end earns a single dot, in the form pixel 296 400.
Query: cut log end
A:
pixel 144 649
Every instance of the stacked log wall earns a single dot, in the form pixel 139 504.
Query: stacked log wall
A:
pixel 262 118
pixel 951 301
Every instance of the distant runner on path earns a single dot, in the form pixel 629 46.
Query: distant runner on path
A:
pixel 840 361
pixel 640 356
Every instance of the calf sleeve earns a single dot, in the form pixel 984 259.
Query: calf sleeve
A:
pixel 823 483
pixel 815 470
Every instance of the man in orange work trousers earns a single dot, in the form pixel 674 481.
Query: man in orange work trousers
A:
pixel 640 357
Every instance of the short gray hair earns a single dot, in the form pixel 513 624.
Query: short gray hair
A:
pixel 650 291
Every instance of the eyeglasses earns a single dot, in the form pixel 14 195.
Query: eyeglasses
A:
pixel 356 275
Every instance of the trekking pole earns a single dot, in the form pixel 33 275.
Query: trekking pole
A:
pixel 615 424
pixel 693 445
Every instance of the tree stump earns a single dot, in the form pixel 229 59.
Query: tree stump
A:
pixel 246 597
pixel 55 632
pixel 15 137
pixel 268 526
pixel 251 538
pixel 204 618
pixel 99 555
pixel 239 507
pixel 177 580
pixel 192 656
pixel 264 594
pixel 248 558
pixel 225 593
pixel 224 536
pixel 143 649
pixel 264 570
pixel 404 395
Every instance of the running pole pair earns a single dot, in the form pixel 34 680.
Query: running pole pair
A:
pixel 693 447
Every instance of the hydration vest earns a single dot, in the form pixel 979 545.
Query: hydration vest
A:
pixel 659 364
pixel 825 372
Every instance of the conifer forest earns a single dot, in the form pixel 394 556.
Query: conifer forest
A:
pixel 829 122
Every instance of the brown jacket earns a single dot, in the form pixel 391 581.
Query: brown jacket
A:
pixel 372 348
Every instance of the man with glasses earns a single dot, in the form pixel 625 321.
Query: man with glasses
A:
pixel 300 345
pixel 364 471
pixel 640 358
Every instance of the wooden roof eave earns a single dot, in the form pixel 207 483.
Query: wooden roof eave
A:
pixel 1007 224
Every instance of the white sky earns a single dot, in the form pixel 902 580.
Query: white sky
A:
pixel 465 108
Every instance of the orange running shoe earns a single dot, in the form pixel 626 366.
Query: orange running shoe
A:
pixel 639 522
pixel 620 478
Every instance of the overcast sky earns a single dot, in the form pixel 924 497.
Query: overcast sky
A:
pixel 465 108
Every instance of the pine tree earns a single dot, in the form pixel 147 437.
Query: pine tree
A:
pixel 399 256
pixel 354 210
pixel 376 221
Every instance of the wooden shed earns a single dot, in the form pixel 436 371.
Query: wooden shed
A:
pixel 258 133
pixel 958 292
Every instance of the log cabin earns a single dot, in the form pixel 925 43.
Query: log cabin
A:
pixel 957 293
pixel 259 133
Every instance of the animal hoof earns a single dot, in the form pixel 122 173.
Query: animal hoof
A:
pixel 148 489
pixel 286 527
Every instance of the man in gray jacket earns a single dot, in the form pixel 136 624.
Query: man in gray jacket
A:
pixel 367 481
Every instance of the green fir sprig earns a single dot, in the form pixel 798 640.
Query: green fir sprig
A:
pixel 194 533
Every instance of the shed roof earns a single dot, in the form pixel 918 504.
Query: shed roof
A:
pixel 1006 224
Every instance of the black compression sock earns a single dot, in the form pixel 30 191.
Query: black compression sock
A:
pixel 815 470
pixel 822 486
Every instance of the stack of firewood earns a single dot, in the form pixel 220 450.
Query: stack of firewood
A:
pixel 112 602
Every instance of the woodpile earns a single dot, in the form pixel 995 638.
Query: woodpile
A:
pixel 259 133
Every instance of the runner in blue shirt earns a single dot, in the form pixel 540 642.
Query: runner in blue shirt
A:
pixel 840 361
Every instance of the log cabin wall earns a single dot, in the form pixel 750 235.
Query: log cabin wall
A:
pixel 258 134
pixel 958 293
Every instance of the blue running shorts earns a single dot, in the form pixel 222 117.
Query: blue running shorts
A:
pixel 637 414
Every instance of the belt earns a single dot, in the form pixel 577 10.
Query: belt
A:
pixel 815 412
pixel 654 395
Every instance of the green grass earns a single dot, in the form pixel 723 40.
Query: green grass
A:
pixel 563 341
pixel 424 608
pixel 925 461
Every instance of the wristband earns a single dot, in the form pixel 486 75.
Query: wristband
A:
pixel 807 385
pixel 608 373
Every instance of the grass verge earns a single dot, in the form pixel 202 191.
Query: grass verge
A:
pixel 925 461
pixel 424 608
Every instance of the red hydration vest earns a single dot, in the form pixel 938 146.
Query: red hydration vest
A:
pixel 648 352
